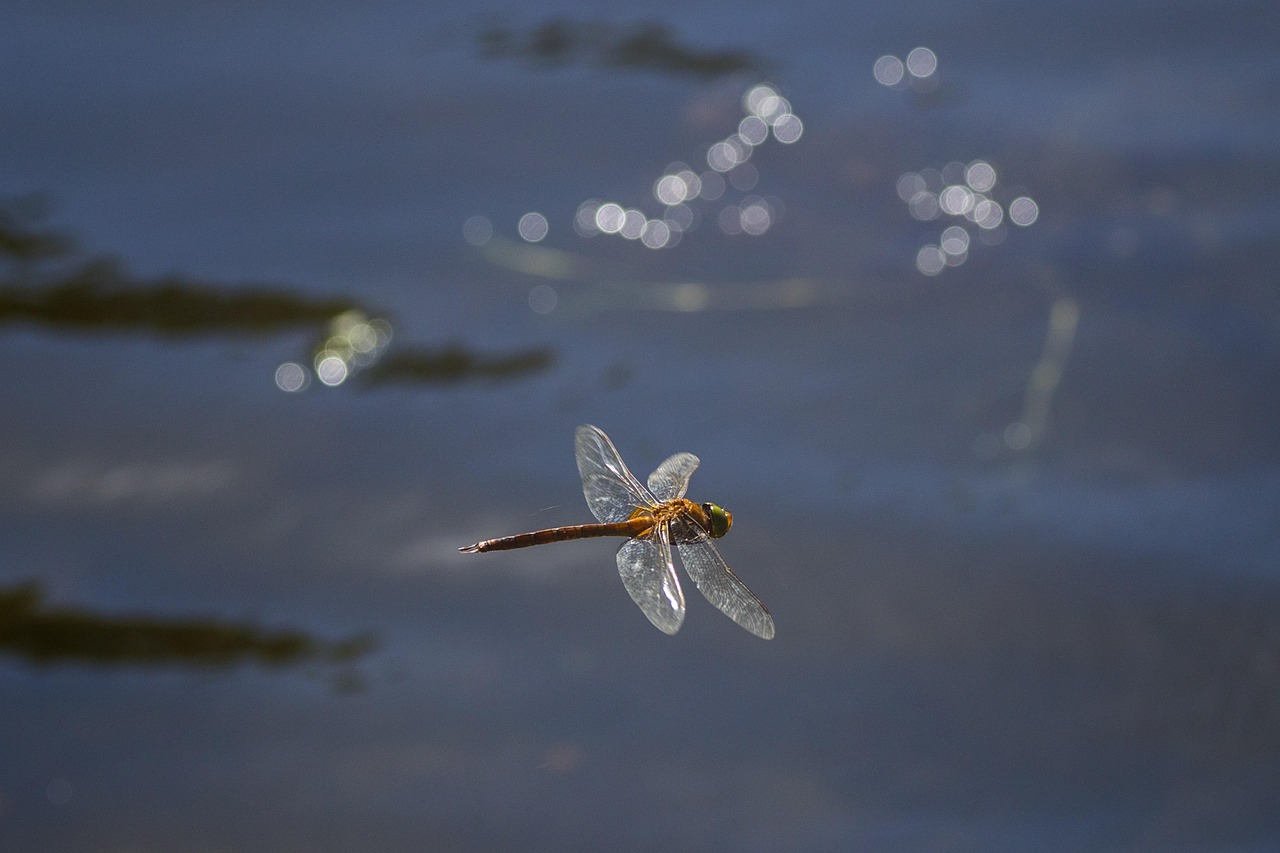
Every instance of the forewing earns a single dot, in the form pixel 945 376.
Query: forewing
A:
pixel 650 579
pixel 717 582
pixel 612 492
pixel 670 479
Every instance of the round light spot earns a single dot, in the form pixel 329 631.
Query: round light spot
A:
pixel 930 260
pixel 722 156
pixel 1017 436
pixel 292 377
pixel 923 206
pixel 910 185
pixel 956 200
pixel 730 219
pixel 543 299
pixel 888 70
pixel 955 240
pixel 692 183
pixel 609 218
pixel 753 130
pixel 980 176
pixel 712 185
pixel 922 62
pixel 670 189
pixel 656 234
pixel 331 369
pixel 584 221
pixel 533 227
pixel 773 108
pixel 477 230
pixel 756 95
pixel 1023 211
pixel 633 224
pixel 987 214
pixel 788 129
pixel 679 217
pixel 755 217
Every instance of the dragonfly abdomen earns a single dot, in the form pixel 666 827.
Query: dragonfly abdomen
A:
pixel 631 527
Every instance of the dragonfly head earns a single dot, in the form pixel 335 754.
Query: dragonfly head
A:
pixel 721 519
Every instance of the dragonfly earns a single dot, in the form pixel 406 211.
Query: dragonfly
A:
pixel 654 519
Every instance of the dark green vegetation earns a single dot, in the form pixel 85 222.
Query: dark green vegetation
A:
pixel 42 634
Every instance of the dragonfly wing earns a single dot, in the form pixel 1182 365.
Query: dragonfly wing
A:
pixel 612 492
pixel 670 479
pixel 650 578
pixel 717 582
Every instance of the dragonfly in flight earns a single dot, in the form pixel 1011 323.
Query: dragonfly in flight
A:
pixel 653 519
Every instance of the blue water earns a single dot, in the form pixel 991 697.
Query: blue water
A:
pixel 1023 569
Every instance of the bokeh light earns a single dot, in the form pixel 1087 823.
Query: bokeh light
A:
pixel 963 191
pixel 723 156
pixel 712 186
pixel 292 377
pixel 955 241
pixel 753 130
pixel 533 227
pixel 930 260
pixel 909 186
pixel 684 193
pixel 922 62
pixel 888 70
pixel 788 129
pixel 680 217
pixel 331 368
pixel 755 216
pixel 655 234
pixel 352 342
pixel 923 206
pixel 633 223
pixel 987 214
pixel 584 221
pixel 543 299
pixel 1023 211
pixel 956 200
pixel 756 95
pixel 609 217
pixel 693 183
pixel 670 189
pixel 980 176
pixel 477 230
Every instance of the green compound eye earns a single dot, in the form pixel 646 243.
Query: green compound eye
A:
pixel 721 519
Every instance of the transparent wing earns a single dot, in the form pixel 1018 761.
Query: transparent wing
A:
pixel 645 565
pixel 717 582
pixel 671 478
pixel 611 492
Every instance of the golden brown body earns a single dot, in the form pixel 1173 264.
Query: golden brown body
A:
pixel 641 523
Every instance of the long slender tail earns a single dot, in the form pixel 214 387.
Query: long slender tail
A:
pixel 633 527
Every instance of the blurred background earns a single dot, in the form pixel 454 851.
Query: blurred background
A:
pixel 969 310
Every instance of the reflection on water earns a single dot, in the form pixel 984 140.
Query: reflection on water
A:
pixel 688 197
pixel 102 296
pixel 48 281
pixel 918 71
pixel 963 192
pixel 456 363
pixel 644 46
pixel 42 634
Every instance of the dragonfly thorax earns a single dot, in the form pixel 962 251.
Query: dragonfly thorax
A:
pixel 712 518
